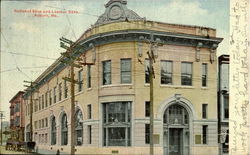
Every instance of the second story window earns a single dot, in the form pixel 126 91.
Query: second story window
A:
pixel 166 72
pixel 39 103
pixel 60 92
pixel 147 71
pixel 186 73
pixel 54 94
pixel 50 98
pixel 89 111
pixel 65 89
pixel 106 72
pixel 42 101
pixel 89 76
pixel 204 111
pixel 80 80
pixel 125 70
pixel 204 75
pixel 147 109
pixel 226 106
pixel 46 99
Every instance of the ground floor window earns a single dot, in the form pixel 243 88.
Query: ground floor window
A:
pixel 53 131
pixel 116 124
pixel 79 127
pixel 64 129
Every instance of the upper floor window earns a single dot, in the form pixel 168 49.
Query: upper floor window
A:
pixel 60 92
pixel 125 70
pixel 42 101
pixel 166 72
pixel 204 75
pixel 147 109
pixel 89 76
pixel 186 73
pixel 89 111
pixel 54 94
pixel 106 72
pixel 80 80
pixel 65 89
pixel 46 99
pixel 147 71
pixel 226 106
pixel 204 111
pixel 39 102
pixel 50 98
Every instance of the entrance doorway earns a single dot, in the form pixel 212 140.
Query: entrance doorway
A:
pixel 176 131
pixel 175 141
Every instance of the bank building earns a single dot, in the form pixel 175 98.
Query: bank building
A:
pixel 112 95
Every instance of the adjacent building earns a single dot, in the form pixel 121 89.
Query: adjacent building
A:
pixel 17 119
pixel 112 96
pixel 223 104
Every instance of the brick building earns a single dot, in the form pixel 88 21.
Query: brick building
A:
pixel 17 116
pixel 112 99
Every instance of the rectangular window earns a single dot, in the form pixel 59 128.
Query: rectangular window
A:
pixel 147 71
pixel 115 114
pixel 125 70
pixel 46 122
pixel 60 92
pixel 89 111
pixel 204 75
pixel 89 76
pixel 65 89
pixel 42 101
pixel 147 133
pixel 80 80
pixel 46 99
pixel 39 100
pixel 42 123
pixel 186 73
pixel 204 111
pixel 147 109
pixel 166 72
pixel 54 94
pixel 106 72
pixel 226 106
pixel 90 134
pixel 50 98
pixel 204 134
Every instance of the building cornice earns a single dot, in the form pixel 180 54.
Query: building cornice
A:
pixel 168 38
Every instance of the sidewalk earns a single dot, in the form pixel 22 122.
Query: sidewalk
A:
pixel 3 151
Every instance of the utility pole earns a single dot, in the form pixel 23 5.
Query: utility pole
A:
pixel 152 55
pixel 70 61
pixel 31 88
pixel 1 117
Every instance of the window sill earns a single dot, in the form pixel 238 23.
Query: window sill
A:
pixel 178 86
pixel 89 89
pixel 204 88
pixel 116 85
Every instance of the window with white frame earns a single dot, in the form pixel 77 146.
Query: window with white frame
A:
pixel 166 72
pixel 64 130
pixel 125 70
pixel 147 71
pixel 117 124
pixel 186 73
pixel 89 76
pixel 204 75
pixel 53 130
pixel 106 72
pixel 79 128
pixel 80 80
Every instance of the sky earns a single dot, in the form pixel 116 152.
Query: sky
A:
pixel 30 44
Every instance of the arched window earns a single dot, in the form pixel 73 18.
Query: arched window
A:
pixel 53 130
pixel 79 128
pixel 64 129
pixel 28 138
pixel 176 114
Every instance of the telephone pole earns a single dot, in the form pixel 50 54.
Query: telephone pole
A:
pixel 152 55
pixel 31 88
pixel 70 61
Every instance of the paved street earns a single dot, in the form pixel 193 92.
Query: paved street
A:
pixel 3 151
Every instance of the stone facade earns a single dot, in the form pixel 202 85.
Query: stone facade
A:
pixel 115 42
